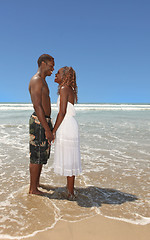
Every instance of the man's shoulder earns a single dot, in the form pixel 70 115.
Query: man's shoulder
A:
pixel 36 79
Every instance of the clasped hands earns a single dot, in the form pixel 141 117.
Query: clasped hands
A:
pixel 50 136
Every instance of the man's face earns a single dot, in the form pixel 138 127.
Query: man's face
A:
pixel 49 67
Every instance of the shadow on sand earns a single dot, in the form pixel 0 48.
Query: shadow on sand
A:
pixel 90 196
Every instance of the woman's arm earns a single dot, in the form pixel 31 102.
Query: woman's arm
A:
pixel 64 93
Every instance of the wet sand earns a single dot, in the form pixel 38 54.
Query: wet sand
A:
pixel 97 227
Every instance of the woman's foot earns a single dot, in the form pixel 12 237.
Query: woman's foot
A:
pixel 70 196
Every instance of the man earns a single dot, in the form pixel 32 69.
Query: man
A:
pixel 40 123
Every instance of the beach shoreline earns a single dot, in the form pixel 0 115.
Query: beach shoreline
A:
pixel 114 183
pixel 96 227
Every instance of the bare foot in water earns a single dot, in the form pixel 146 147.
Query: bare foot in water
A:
pixel 37 192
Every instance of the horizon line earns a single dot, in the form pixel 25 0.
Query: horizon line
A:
pixel 140 103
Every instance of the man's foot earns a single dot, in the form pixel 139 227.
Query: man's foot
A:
pixel 37 192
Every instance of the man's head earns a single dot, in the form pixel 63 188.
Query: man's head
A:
pixel 46 63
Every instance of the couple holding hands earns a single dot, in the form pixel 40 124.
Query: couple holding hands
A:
pixel 65 133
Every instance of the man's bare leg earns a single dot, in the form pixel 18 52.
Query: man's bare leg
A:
pixel 70 185
pixel 35 171
pixel 38 183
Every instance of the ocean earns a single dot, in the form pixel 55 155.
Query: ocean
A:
pixel 115 182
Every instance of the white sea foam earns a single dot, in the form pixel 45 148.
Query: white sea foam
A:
pixel 142 221
pixel 6 236
pixel 144 152
pixel 124 107
pixel 80 107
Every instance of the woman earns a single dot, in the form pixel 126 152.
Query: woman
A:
pixel 67 151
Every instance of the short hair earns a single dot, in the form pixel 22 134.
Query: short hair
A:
pixel 44 58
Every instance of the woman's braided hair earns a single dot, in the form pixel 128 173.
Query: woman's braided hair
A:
pixel 69 79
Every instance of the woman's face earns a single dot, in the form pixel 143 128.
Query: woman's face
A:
pixel 58 76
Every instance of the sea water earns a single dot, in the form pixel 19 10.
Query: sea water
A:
pixel 115 182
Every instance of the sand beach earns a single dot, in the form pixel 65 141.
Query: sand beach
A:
pixel 97 227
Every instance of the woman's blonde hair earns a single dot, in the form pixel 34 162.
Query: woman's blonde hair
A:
pixel 69 79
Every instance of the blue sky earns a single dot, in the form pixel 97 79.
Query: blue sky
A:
pixel 106 42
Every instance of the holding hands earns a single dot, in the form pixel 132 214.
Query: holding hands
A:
pixel 49 136
pixel 54 135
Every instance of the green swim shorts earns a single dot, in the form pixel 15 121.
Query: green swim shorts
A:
pixel 39 146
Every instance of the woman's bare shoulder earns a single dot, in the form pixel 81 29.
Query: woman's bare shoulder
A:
pixel 64 89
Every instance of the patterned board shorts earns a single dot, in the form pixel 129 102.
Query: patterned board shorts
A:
pixel 39 146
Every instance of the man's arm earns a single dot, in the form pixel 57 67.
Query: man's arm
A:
pixel 64 93
pixel 36 97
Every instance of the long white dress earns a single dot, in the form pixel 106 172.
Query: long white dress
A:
pixel 67 161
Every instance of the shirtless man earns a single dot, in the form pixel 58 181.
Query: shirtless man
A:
pixel 40 122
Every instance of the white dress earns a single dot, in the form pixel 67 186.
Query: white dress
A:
pixel 67 161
